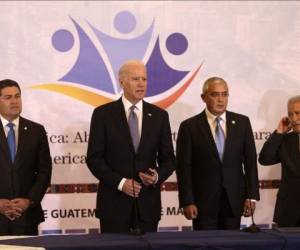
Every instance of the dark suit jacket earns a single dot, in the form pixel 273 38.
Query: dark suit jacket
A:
pixel 200 172
pixel 284 149
pixel 29 176
pixel 111 156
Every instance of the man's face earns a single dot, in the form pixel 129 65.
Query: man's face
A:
pixel 10 103
pixel 134 83
pixel 294 116
pixel 216 98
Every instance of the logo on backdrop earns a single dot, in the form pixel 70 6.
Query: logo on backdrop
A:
pixel 93 79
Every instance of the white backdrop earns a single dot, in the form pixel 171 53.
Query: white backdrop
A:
pixel 255 46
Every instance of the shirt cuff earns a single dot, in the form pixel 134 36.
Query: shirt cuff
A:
pixel 120 186
pixel 156 178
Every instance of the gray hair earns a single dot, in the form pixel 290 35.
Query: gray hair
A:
pixel 210 81
pixel 293 99
pixel 124 68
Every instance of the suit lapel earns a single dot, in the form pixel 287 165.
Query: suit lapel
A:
pixel 146 124
pixel 4 150
pixel 230 127
pixel 120 118
pixel 293 151
pixel 206 131
pixel 23 136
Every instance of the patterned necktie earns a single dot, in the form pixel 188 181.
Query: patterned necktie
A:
pixel 134 127
pixel 220 138
pixel 11 140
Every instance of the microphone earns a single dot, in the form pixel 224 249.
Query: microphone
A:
pixel 253 228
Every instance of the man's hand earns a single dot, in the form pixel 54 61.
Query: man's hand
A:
pixel 7 209
pixel 131 188
pixel 284 125
pixel 4 205
pixel 190 211
pixel 20 205
pixel 248 211
pixel 149 177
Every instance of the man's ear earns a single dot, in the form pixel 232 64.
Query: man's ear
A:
pixel 202 96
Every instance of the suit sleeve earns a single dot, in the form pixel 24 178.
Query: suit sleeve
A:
pixel 96 152
pixel 250 163
pixel 269 154
pixel 165 157
pixel 43 170
pixel 184 166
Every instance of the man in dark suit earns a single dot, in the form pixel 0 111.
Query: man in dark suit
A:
pixel 283 146
pixel 216 163
pixel 130 152
pixel 25 168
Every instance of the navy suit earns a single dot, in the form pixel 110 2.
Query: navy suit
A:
pixel 111 157
pixel 28 177
pixel 202 177
pixel 284 149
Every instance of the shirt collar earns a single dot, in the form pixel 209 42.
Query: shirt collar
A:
pixel 127 104
pixel 5 122
pixel 212 117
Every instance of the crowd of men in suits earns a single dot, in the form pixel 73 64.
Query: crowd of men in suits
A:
pixel 130 152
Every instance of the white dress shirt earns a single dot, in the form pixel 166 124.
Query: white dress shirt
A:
pixel 16 127
pixel 213 124
pixel 139 113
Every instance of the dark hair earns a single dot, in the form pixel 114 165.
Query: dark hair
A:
pixel 8 83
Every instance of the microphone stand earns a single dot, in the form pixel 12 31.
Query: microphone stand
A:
pixel 253 228
pixel 135 229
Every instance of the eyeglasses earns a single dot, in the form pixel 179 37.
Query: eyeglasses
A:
pixel 218 94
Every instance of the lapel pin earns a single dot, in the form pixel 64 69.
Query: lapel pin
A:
pixel 149 114
pixel 233 121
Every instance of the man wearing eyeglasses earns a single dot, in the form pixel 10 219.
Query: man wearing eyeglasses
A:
pixel 283 146
pixel 216 163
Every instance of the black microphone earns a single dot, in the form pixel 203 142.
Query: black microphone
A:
pixel 253 228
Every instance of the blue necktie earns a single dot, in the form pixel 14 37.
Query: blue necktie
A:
pixel 11 140
pixel 220 138
pixel 134 127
